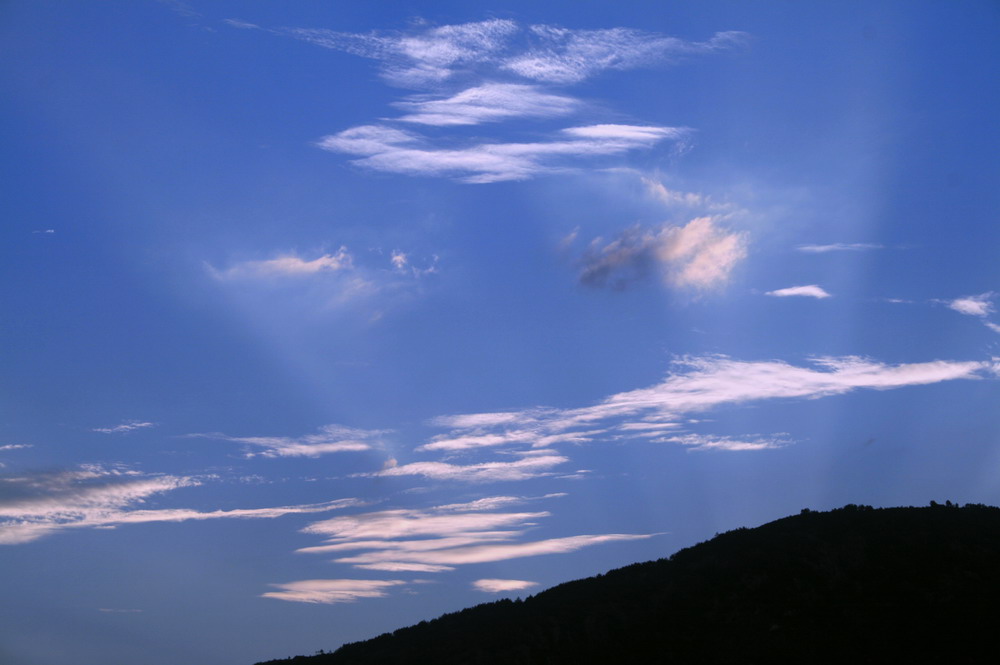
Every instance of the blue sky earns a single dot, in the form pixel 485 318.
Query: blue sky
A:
pixel 320 320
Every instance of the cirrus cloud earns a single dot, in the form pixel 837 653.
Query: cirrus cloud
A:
pixel 807 291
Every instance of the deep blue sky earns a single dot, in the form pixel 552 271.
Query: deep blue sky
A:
pixel 320 320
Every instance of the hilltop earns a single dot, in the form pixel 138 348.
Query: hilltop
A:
pixel 852 585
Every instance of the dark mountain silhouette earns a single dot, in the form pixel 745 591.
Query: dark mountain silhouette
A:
pixel 853 585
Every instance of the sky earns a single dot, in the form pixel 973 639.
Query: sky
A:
pixel 322 319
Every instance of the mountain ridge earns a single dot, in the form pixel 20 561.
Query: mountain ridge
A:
pixel 855 584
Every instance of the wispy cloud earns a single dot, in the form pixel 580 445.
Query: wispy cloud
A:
pixel 839 247
pixel 500 586
pixel 490 102
pixel 332 591
pixel 438 539
pixel 671 197
pixel 566 56
pixel 696 385
pixel 431 56
pixel 710 442
pixel 979 305
pixel 700 255
pixel 35 505
pixel 329 439
pixel 483 472
pixel 807 291
pixel 16 446
pixel 495 552
pixel 290 265
pixel 424 57
pixel 125 427
pixel 465 71
pixel 384 148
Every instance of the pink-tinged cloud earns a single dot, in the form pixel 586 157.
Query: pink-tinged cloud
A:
pixel 332 591
pixel 500 586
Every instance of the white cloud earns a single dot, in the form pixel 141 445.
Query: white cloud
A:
pixel 423 58
pixel 243 25
pixel 330 439
pixel 484 472
pixel 430 56
pixel 331 591
pixel 992 326
pixel 808 291
pixel 979 305
pixel 499 586
pixel 838 247
pixel 485 54
pixel 490 553
pixel 398 566
pixel 700 384
pixel 290 265
pixel 710 442
pixel 672 197
pixel 699 255
pixel 128 426
pixel 569 56
pixel 32 506
pixel 16 446
pixel 387 525
pixel 490 102
pixel 386 149
pixel 438 539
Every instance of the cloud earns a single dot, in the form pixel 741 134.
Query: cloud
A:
pixel 698 255
pixel 290 265
pixel 128 426
pixel 35 505
pixel 672 197
pixel 331 591
pixel 484 472
pixel 383 148
pixel 709 442
pixel 808 291
pixel 440 538
pixel 839 247
pixel 992 326
pixel 427 57
pixel 467 69
pixel 243 25
pixel 699 384
pixel 500 552
pixel 979 305
pixel 500 586
pixel 16 446
pixel 490 102
pixel 569 56
pixel 329 439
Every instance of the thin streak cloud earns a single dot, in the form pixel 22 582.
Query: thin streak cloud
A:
pixel 807 291
pixel 329 592
pixel 839 247
pixel 36 505
pixel 330 439
pixel 695 385
pixel 501 586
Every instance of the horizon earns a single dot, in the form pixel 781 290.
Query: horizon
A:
pixel 321 321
